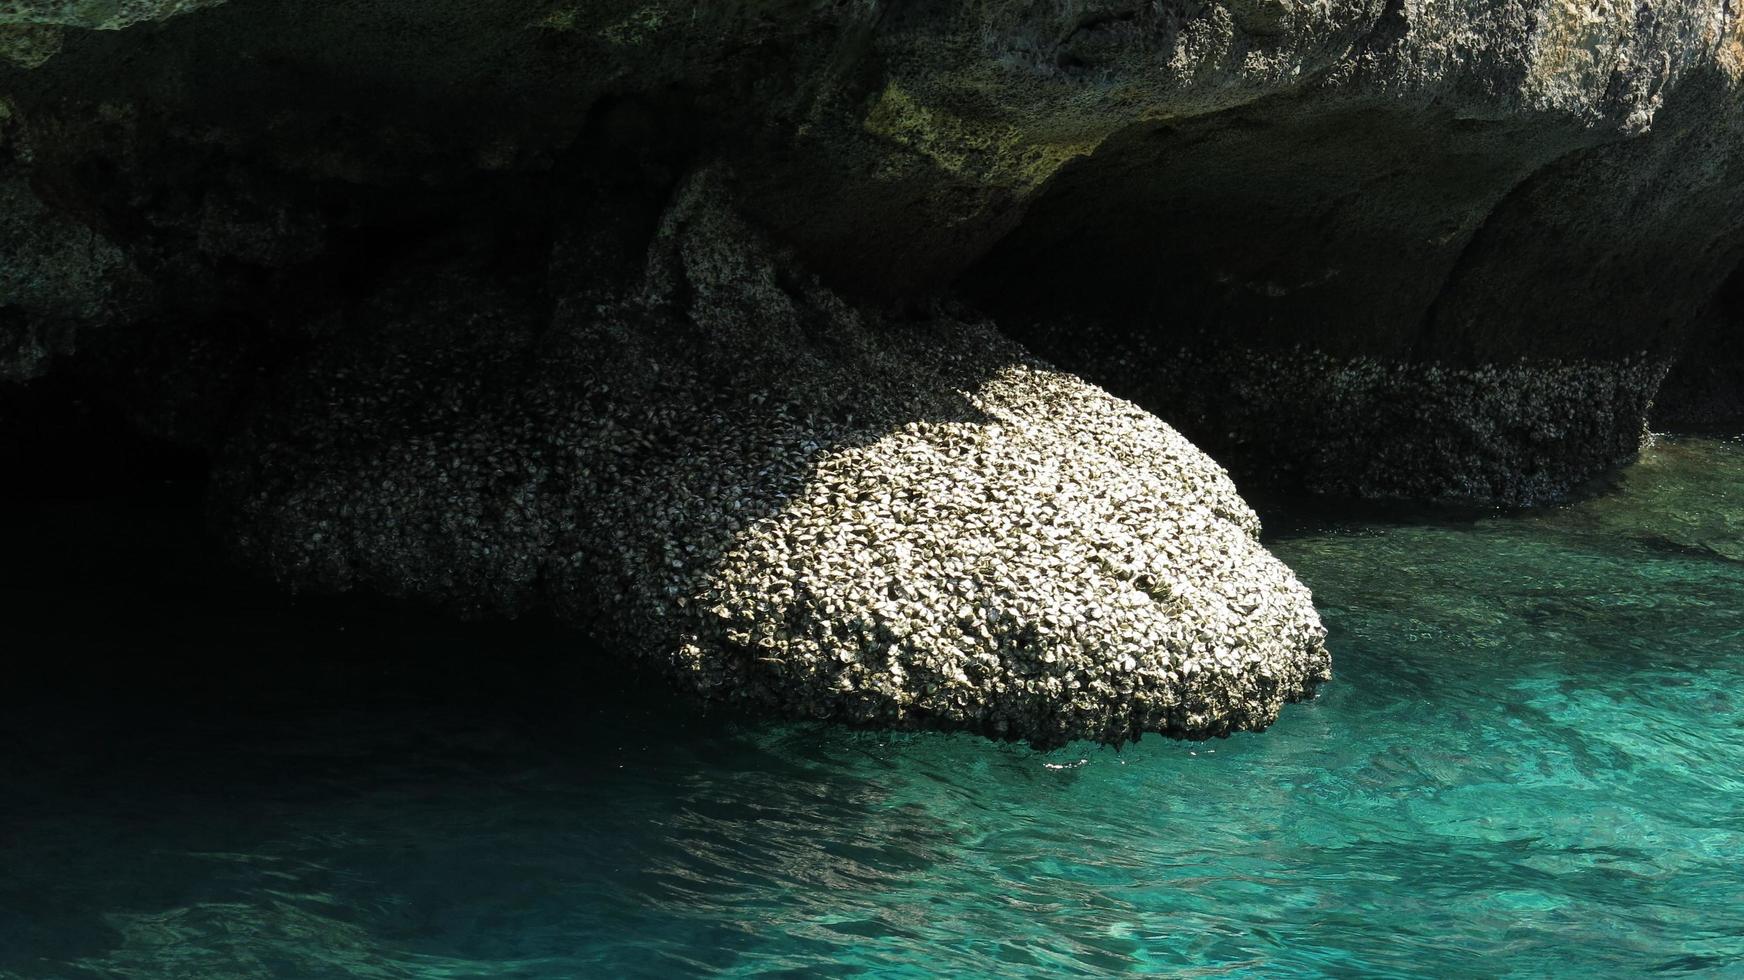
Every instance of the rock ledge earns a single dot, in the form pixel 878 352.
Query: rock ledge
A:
pixel 786 501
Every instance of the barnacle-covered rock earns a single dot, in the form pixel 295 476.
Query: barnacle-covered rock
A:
pixel 391 262
pixel 1402 190
pixel 788 502
pixel 1525 432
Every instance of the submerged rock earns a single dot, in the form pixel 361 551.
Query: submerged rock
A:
pixel 786 501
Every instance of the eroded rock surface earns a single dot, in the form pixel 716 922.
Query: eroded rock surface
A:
pixel 414 270
pixel 96 14
pixel 1445 189
pixel 786 502
pixel 32 31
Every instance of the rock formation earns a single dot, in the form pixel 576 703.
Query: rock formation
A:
pixel 1378 248
pixel 1507 193
pixel 784 501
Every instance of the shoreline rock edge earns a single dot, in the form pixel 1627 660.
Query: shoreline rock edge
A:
pixel 800 506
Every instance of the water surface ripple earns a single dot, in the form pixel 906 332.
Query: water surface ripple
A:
pixel 1531 762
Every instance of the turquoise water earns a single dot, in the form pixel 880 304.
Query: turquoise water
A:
pixel 1531 762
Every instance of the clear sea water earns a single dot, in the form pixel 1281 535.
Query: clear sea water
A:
pixel 1531 763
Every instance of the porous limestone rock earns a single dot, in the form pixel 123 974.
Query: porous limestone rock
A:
pixel 1524 432
pixel 1447 187
pixel 1376 247
pixel 787 502
pixel 95 14
pixel 28 45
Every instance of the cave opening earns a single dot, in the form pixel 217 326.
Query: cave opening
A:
pixel 1704 391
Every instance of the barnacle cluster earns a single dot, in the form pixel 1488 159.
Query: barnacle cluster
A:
pixel 1521 432
pixel 788 502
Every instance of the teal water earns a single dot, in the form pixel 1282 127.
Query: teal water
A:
pixel 1531 763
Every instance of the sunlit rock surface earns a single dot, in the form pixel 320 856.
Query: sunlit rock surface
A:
pixel 1472 190
pixel 786 502
pixel 437 274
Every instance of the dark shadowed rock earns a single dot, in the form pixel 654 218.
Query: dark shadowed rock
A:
pixel 784 500
pixel 422 276
pixel 1475 190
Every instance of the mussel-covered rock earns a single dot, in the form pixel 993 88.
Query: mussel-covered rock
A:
pixel 789 502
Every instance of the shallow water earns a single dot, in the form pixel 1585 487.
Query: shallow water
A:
pixel 1531 762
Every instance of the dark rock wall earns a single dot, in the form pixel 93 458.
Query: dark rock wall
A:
pixel 1382 303
pixel 775 496
pixel 705 325
pixel 1401 189
pixel 1705 390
